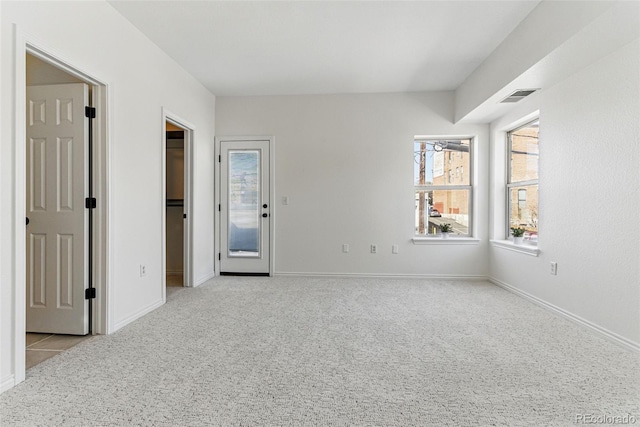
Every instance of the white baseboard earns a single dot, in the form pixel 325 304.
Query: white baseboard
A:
pixel 611 336
pixel 6 383
pixel 136 316
pixel 383 276
pixel 205 278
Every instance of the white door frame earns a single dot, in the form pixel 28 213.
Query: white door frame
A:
pixel 189 155
pixel 272 196
pixel 101 230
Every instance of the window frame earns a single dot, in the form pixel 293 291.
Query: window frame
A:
pixel 518 184
pixel 465 187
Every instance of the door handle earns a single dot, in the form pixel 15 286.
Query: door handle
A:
pixel 264 215
pixel 27 220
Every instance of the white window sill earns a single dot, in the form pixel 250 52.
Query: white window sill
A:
pixel 524 248
pixel 440 241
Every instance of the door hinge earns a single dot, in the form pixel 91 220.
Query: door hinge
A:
pixel 219 256
pixel 219 158
pixel 90 112
pixel 90 203
pixel 184 216
pixel 219 208
pixel 90 293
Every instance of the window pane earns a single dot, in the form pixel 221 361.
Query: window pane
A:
pixel 524 153
pixel 436 207
pixel 523 209
pixel 244 220
pixel 441 162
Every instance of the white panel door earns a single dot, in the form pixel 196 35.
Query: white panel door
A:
pixel 57 170
pixel 245 214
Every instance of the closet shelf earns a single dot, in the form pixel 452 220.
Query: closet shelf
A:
pixel 175 202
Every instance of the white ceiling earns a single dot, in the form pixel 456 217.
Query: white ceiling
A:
pixel 318 47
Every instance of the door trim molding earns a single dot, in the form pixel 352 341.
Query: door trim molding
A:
pixel 189 166
pixel 272 196
pixel 25 44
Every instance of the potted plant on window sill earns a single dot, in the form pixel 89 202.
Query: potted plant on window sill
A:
pixel 445 229
pixel 517 233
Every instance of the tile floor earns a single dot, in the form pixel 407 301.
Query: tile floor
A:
pixel 41 347
pixel 174 280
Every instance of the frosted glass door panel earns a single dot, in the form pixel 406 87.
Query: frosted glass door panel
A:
pixel 244 210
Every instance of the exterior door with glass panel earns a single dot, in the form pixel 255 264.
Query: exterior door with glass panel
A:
pixel 245 213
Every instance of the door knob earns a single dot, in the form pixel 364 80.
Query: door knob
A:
pixel 27 220
pixel 265 206
pixel 264 215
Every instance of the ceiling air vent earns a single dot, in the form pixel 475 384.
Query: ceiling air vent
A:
pixel 518 95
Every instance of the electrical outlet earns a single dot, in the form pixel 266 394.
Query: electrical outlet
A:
pixel 374 249
pixel 554 268
pixel 345 248
pixel 143 270
pixel 394 249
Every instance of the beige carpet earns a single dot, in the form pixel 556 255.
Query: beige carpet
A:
pixel 299 351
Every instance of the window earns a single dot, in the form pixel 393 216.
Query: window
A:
pixel 522 198
pixel 439 198
pixel 522 180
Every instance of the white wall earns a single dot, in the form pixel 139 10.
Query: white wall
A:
pixel 141 80
pixel 589 198
pixel 346 164
pixel 40 72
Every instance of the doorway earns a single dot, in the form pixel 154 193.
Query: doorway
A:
pixel 246 206
pixel 175 213
pixel 178 207
pixel 63 272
